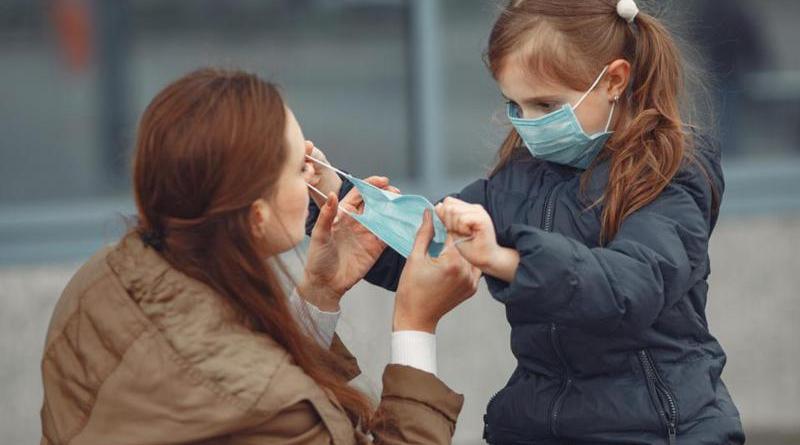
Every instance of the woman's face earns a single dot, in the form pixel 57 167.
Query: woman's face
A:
pixel 537 96
pixel 280 220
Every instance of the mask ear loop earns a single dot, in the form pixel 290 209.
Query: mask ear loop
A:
pixel 325 164
pixel 611 116
pixel 319 192
pixel 594 85
pixel 347 175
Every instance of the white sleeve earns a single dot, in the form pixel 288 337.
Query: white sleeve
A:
pixel 319 324
pixel 414 348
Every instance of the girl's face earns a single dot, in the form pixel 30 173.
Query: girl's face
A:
pixel 537 96
pixel 279 222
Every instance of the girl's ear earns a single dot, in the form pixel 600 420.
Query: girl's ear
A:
pixel 617 78
pixel 259 218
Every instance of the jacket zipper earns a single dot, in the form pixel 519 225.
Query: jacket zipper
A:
pixel 548 218
pixel 660 389
pixel 549 210
pixel 566 383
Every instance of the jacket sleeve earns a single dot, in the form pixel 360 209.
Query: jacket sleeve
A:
pixel 387 269
pixel 415 408
pixel 659 253
pixel 349 361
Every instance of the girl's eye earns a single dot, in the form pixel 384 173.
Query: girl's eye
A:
pixel 546 106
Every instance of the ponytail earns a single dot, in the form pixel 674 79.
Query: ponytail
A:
pixel 649 151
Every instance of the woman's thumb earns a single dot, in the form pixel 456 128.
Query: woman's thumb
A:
pixel 424 235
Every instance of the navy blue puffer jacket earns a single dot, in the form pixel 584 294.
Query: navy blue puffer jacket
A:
pixel 611 342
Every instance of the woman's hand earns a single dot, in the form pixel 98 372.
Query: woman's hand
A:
pixel 324 179
pixel 341 251
pixel 472 224
pixel 431 287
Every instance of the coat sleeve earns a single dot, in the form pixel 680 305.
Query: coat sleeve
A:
pixel 387 269
pixel 659 253
pixel 415 408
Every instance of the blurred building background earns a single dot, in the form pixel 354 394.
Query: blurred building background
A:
pixel 392 87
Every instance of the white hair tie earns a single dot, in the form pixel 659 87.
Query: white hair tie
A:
pixel 628 10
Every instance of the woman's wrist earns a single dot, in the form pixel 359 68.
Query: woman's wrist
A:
pixel 323 297
pixel 405 321
pixel 503 264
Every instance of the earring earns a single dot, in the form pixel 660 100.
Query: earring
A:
pixel 616 98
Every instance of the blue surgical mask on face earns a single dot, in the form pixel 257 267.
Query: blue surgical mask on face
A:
pixel 558 137
pixel 394 218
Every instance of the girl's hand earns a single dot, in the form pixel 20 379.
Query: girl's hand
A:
pixel 341 250
pixel 325 179
pixel 430 287
pixel 465 221
pixel 472 224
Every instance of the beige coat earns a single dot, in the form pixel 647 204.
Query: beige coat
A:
pixel 139 353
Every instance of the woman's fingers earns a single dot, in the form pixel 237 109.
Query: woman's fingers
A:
pixel 353 202
pixel 311 175
pixel 327 214
pixel 378 181
pixel 424 236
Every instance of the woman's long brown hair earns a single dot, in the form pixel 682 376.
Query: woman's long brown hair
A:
pixel 209 145
pixel 570 42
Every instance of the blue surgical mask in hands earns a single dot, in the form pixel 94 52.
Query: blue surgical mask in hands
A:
pixel 392 217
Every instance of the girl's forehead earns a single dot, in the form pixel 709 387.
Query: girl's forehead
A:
pixel 516 79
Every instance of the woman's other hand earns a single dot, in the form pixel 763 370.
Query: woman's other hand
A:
pixel 431 287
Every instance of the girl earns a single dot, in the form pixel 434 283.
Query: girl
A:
pixel 181 333
pixel 593 231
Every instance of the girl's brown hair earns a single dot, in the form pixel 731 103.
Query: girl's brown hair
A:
pixel 209 145
pixel 570 42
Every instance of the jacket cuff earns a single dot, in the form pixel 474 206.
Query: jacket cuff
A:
pixel 414 348
pixel 405 382
pixel 349 361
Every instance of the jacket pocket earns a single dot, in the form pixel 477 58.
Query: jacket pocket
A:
pixel 662 397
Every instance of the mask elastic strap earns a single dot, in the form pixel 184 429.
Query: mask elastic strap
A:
pixel 319 192
pixel 611 116
pixel 594 85
pixel 325 164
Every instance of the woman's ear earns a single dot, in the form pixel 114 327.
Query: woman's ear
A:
pixel 617 78
pixel 259 218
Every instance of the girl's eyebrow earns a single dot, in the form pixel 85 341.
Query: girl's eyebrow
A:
pixel 544 98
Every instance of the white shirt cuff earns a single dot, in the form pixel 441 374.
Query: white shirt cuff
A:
pixel 414 348
pixel 319 324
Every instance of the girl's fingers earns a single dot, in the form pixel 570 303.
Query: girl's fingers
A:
pixel 439 209
pixel 467 223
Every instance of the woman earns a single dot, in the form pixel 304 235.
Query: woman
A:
pixel 182 333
